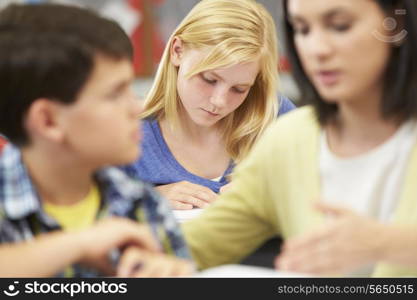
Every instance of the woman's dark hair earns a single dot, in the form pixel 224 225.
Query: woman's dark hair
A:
pixel 400 81
pixel 49 51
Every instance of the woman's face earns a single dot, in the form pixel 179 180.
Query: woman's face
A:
pixel 209 96
pixel 344 46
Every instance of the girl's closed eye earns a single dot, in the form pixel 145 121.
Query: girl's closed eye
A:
pixel 208 80
pixel 238 90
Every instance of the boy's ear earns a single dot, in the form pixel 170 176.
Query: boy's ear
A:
pixel 177 51
pixel 42 120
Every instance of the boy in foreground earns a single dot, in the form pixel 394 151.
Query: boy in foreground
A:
pixel 68 111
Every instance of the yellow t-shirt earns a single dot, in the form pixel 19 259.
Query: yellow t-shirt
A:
pixel 77 216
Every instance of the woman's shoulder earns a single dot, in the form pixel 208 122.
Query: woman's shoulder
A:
pixel 295 125
pixel 300 117
pixel 291 134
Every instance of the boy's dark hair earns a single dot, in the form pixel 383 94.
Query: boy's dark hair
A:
pixel 49 51
pixel 400 82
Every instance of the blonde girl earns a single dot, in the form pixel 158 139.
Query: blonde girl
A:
pixel 214 94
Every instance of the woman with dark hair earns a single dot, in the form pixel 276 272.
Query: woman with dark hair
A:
pixel 353 149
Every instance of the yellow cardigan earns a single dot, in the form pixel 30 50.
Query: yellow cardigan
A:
pixel 272 194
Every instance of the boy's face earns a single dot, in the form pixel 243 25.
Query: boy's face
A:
pixel 102 126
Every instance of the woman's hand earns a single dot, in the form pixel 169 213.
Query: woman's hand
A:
pixel 186 195
pixel 346 242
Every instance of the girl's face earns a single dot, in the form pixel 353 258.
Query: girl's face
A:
pixel 209 96
pixel 344 46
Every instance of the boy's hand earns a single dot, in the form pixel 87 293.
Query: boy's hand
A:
pixel 186 195
pixel 98 241
pixel 136 262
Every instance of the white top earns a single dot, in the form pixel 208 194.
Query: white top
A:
pixel 217 178
pixel 369 184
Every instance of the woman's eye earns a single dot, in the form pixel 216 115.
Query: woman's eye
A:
pixel 341 27
pixel 303 30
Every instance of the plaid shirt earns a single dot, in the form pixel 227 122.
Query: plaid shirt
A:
pixel 22 216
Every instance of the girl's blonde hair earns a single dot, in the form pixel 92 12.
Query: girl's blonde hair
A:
pixel 234 31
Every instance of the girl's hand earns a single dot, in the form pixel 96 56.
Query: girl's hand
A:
pixel 225 188
pixel 186 195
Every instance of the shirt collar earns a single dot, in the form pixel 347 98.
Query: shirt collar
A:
pixel 18 196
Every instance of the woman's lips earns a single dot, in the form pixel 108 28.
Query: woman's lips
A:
pixel 328 77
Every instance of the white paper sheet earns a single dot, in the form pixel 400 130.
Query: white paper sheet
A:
pixel 243 271
pixel 186 215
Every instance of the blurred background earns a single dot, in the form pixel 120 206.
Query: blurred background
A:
pixel 149 23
